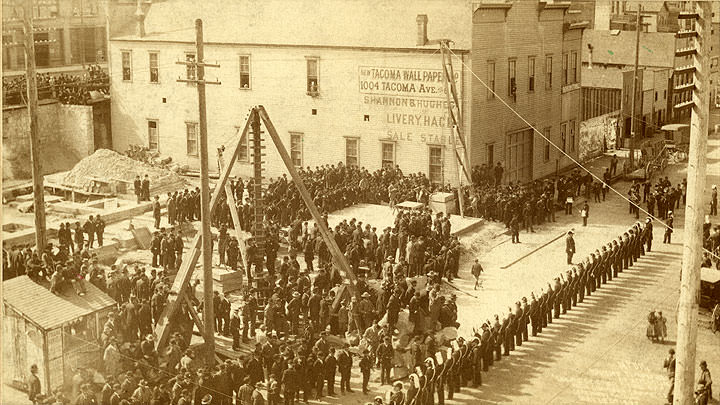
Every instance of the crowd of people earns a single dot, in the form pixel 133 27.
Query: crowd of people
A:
pixel 66 88
pixel 295 314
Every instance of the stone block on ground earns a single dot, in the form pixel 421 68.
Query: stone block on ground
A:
pixel 445 335
pixel 142 237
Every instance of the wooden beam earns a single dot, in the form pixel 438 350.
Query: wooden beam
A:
pixel 340 260
pixel 193 313
pixel 182 278
pixel 233 211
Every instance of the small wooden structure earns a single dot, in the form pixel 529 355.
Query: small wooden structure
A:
pixel 55 332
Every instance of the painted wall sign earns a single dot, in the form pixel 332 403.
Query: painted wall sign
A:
pixel 412 102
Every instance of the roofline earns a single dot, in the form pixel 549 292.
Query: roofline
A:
pixel 54 325
pixel 258 45
pixel 25 317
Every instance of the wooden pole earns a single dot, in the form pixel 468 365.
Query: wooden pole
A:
pixel 340 261
pixel 633 126
pixel 208 312
pixel 693 245
pixel 32 105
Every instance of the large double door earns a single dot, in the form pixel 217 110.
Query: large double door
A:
pixel 519 156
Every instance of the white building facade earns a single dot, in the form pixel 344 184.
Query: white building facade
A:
pixel 371 102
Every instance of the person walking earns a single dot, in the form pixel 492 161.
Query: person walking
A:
pixel 477 269
pixel 569 246
pixel 585 212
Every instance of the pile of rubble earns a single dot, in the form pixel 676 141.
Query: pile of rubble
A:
pixel 110 166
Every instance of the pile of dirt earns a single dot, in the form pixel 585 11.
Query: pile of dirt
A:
pixel 108 165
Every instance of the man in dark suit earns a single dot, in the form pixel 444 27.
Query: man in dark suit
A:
pixel 569 246
pixel 146 189
pixel 137 184
pixel 156 211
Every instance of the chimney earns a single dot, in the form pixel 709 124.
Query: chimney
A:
pixel 590 52
pixel 422 21
pixel 139 20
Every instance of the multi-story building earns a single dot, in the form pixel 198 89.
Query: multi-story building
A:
pixel 351 82
pixel 68 33
pixel 528 56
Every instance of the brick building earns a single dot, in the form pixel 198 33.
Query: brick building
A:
pixel 528 52
pixel 357 90
pixel 67 33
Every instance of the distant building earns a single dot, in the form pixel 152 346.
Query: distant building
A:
pixel 68 33
pixel 353 82
pixel 528 54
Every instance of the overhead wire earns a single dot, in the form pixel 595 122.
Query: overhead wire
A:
pixel 572 159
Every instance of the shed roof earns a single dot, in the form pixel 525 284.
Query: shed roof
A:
pixel 344 23
pixel 657 49
pixel 48 310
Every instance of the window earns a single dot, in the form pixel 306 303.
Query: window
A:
pixel 565 70
pixel 656 96
pixel 531 73
pixel 436 165
pixel 313 82
pixel 548 72
pixel 490 154
pixel 244 71
pixel 153 138
pixel 664 94
pixel 512 85
pixel 154 73
pixel 190 68
pixel 388 155
pixel 572 135
pixel 191 137
pixel 296 149
pixel 573 67
pixel 244 149
pixel 126 66
pixel 491 80
pixel 546 146
pixel 351 152
pixel 563 130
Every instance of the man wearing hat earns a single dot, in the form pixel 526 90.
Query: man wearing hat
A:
pixel 648 233
pixel 365 364
pixel 713 200
pixel 667 238
pixel 367 311
pixel 385 354
pixel 569 246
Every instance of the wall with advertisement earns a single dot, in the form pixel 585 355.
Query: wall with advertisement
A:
pixel 372 97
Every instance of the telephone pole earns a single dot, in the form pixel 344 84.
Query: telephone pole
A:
pixel 633 125
pixel 199 66
pixel 692 248
pixel 32 106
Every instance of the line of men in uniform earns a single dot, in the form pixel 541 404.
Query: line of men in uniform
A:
pixel 463 364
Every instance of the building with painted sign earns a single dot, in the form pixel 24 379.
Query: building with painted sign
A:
pixel 527 54
pixel 355 90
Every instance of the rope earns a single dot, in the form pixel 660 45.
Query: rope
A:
pixel 530 125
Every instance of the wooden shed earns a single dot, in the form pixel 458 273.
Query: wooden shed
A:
pixel 57 333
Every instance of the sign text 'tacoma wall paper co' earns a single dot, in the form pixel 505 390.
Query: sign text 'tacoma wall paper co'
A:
pixel 413 102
